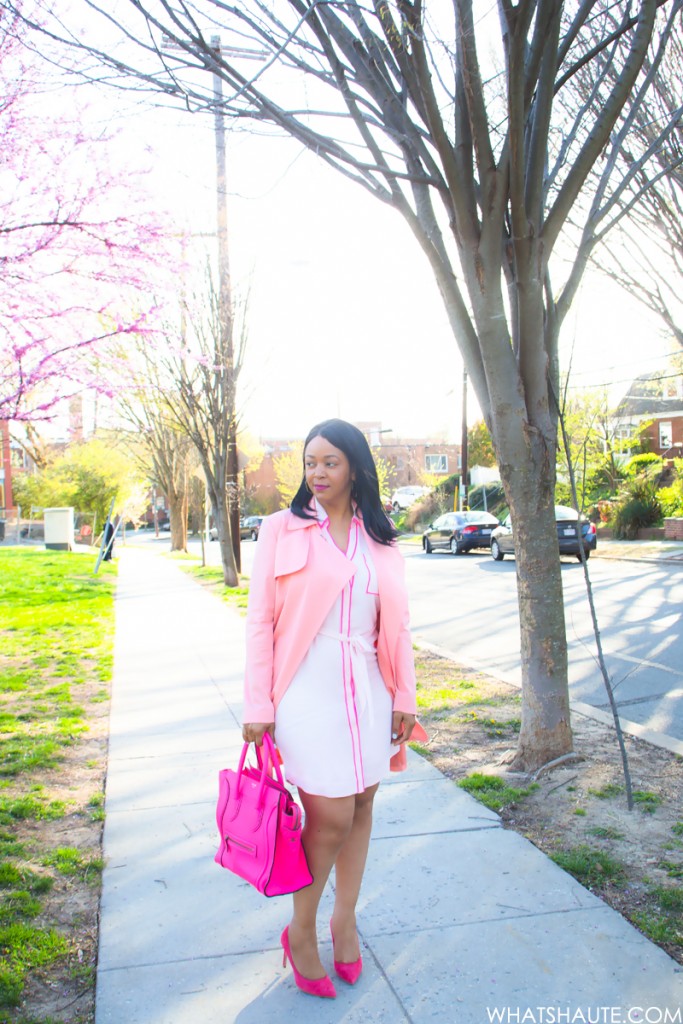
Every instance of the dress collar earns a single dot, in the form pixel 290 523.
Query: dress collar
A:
pixel 323 517
pixel 320 512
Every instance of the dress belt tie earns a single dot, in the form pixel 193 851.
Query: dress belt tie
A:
pixel 359 645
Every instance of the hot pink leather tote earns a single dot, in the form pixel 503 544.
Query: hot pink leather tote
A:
pixel 259 823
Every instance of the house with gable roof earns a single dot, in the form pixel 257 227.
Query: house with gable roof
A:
pixel 655 399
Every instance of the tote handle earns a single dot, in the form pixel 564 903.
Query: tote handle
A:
pixel 273 754
pixel 270 755
pixel 265 761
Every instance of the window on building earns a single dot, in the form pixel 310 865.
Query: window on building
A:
pixel 622 434
pixel 436 463
pixel 17 458
pixel 665 436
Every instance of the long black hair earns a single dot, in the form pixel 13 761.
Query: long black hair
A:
pixel 365 491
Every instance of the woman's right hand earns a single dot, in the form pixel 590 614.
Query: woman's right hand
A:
pixel 253 732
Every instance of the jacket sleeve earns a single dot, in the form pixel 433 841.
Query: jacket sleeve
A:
pixel 404 661
pixel 258 677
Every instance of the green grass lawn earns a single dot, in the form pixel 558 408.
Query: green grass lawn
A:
pixel 56 655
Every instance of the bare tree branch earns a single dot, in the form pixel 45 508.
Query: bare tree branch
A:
pixel 486 172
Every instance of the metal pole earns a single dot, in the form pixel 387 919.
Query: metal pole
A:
pixel 206 536
pixel 224 283
pixel 155 512
pixel 104 546
pixel 463 445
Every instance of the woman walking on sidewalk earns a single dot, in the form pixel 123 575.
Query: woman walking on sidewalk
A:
pixel 330 675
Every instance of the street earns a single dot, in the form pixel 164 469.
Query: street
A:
pixel 468 605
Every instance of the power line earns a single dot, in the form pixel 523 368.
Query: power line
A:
pixel 626 380
pixel 624 364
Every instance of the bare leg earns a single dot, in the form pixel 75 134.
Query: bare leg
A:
pixel 348 873
pixel 328 824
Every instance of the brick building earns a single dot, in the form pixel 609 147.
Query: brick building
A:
pixel 14 462
pixel 657 400
pixel 408 460
pixel 5 467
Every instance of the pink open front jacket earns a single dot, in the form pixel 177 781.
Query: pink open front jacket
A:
pixel 296 579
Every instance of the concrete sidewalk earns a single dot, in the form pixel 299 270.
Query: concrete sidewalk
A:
pixel 670 551
pixel 461 921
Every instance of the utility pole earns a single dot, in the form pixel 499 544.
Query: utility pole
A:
pixel 463 445
pixel 225 306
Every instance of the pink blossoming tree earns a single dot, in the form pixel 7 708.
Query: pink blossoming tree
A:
pixel 79 245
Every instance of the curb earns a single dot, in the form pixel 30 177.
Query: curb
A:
pixel 641 732
pixel 602 551
pixel 675 560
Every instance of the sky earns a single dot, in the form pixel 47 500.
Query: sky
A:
pixel 344 316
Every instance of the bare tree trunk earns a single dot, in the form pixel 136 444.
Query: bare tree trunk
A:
pixel 523 460
pixel 186 502
pixel 546 728
pixel 177 502
pixel 234 498
pixel 221 515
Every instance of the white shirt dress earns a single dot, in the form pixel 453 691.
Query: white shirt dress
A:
pixel 333 724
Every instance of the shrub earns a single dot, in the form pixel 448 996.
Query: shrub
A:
pixel 639 507
pixel 399 521
pixel 671 499
pixel 563 493
pixel 426 510
pixel 644 462
pixel 633 515
pixel 489 496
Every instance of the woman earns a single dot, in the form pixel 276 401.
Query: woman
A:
pixel 330 675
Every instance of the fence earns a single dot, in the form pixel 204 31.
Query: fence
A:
pixel 10 525
pixel 84 527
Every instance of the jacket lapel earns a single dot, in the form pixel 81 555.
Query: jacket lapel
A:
pixel 306 597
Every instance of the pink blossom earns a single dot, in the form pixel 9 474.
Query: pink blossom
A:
pixel 83 254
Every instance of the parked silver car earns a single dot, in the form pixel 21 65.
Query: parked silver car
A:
pixel 249 527
pixel 404 497
pixel 567 519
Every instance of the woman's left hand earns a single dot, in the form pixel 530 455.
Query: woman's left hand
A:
pixel 402 725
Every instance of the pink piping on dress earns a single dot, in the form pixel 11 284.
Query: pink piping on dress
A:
pixel 347 665
pixel 345 650
pixel 374 593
